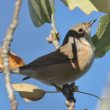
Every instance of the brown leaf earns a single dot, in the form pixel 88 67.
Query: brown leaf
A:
pixel 14 61
pixel 29 92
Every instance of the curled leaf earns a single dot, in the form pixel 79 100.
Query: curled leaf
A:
pixel 29 92
pixel 14 61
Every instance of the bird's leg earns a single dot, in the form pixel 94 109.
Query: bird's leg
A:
pixel 68 92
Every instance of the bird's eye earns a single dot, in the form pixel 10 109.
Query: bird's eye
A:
pixel 80 30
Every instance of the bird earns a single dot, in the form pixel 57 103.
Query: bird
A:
pixel 66 64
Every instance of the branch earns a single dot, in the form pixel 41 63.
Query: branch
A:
pixel 54 39
pixel 70 105
pixel 54 35
pixel 105 103
pixel 5 52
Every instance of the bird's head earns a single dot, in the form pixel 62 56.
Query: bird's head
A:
pixel 79 31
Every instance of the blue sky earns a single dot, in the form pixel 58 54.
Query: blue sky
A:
pixel 29 43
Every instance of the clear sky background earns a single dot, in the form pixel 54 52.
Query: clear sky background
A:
pixel 29 43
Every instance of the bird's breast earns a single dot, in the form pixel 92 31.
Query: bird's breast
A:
pixel 85 56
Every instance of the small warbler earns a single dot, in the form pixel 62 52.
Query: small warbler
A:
pixel 66 64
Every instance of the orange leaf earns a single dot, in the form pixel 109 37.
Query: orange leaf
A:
pixel 14 61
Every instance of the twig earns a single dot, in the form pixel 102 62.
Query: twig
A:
pixel 51 91
pixel 54 35
pixel 70 105
pixel 89 94
pixel 68 92
pixel 105 103
pixel 5 51
pixel 54 31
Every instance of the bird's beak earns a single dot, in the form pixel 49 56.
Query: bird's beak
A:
pixel 92 22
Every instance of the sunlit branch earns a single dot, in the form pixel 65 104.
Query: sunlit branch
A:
pixel 5 50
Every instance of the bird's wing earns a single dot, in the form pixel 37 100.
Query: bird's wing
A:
pixel 62 55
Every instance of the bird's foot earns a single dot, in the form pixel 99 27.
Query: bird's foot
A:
pixel 68 91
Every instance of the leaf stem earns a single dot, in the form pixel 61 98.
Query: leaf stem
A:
pixel 51 91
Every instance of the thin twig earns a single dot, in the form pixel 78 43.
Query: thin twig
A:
pixel 54 35
pixel 70 105
pixel 89 94
pixel 105 103
pixel 5 51
pixel 51 91
pixel 55 42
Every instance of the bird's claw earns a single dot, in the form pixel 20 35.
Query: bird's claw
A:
pixel 68 92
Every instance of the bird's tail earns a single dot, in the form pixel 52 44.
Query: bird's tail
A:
pixel 17 70
pixel 14 71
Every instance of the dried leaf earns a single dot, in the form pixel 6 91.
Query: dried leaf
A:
pixel 82 5
pixel 29 92
pixel 14 61
pixel 88 6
